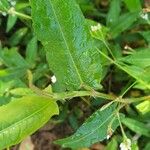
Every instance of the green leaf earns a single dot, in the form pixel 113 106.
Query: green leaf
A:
pixel 96 128
pixel 12 58
pixel 24 116
pixel 4 5
pixel 11 22
pixel 136 126
pixel 134 146
pixel 139 58
pixel 70 49
pixel 140 74
pixel 124 22
pixel 147 147
pixel 16 38
pixel 144 107
pixel 12 73
pixel 133 5
pixel 112 145
pixel 4 100
pixel 114 12
pixel 146 35
pixel 31 51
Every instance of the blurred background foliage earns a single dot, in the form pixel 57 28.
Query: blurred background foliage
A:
pixel 125 27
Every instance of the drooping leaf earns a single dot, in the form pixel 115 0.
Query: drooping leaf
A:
pixel 95 128
pixel 24 116
pixel 136 126
pixel 71 53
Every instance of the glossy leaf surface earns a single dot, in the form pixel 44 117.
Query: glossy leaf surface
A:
pixel 96 128
pixel 71 53
pixel 24 116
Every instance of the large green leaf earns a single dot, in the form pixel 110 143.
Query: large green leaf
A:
pixel 71 53
pixel 24 116
pixel 96 128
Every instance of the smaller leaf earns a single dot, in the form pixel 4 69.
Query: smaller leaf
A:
pixel 124 22
pixel 134 146
pixel 114 12
pixel 12 58
pixel 112 145
pixel 138 58
pixel 17 36
pixel 96 128
pixel 11 22
pixel 136 126
pixel 31 51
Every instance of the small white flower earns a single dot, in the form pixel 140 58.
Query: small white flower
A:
pixel 13 3
pixel 95 28
pixel 126 145
pixel 53 79
pixel 126 47
pixel 108 137
pixel 144 16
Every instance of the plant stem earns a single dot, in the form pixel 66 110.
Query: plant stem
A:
pixel 22 15
pixel 122 130
pixel 128 89
pixel 12 11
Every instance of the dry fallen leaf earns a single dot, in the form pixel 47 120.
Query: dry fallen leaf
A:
pixel 26 144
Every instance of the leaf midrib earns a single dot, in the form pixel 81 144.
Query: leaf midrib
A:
pixel 67 45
